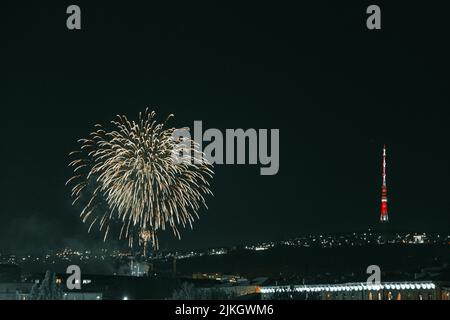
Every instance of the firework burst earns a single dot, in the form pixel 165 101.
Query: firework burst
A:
pixel 140 177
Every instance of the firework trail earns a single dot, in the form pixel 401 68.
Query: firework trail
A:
pixel 141 177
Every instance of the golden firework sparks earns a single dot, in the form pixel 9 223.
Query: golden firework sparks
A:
pixel 139 176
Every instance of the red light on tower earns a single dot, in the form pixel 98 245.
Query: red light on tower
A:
pixel 384 201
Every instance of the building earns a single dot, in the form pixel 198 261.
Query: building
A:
pixel 83 296
pixel 14 290
pixel 139 269
pixel 223 278
pixel 445 293
pixel 410 290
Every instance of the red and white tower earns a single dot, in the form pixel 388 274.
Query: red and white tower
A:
pixel 384 201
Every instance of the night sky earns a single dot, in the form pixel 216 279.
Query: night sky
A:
pixel 336 91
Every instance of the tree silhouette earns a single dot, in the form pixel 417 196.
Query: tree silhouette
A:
pixel 47 290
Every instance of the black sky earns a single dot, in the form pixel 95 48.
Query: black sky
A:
pixel 336 91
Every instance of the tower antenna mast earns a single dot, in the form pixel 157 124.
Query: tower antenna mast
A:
pixel 384 218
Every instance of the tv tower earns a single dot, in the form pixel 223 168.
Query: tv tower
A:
pixel 384 218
